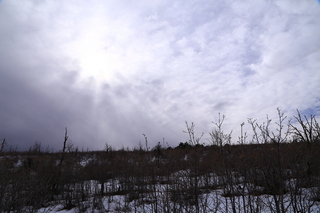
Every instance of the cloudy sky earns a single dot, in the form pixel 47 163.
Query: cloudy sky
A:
pixel 113 70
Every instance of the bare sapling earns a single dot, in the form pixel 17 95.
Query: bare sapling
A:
pixel 309 129
pixel 218 137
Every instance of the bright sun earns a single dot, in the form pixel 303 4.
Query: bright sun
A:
pixel 95 64
pixel 95 60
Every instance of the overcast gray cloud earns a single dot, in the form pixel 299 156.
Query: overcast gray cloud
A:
pixel 110 71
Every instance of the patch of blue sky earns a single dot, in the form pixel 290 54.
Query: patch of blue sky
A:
pixel 311 111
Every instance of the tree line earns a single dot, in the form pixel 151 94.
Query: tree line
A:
pixel 277 171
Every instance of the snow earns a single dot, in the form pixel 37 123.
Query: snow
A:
pixel 210 201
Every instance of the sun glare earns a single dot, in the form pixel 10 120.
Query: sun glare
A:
pixel 94 60
pixel 94 64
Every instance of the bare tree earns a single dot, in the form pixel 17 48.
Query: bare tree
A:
pixel 193 140
pixel 272 166
pixel 218 137
pixel 310 129
pixel 3 145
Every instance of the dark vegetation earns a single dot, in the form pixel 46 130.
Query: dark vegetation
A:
pixel 277 171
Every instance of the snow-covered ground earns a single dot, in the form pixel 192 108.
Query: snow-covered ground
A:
pixel 209 201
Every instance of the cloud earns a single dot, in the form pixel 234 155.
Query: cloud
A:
pixel 111 71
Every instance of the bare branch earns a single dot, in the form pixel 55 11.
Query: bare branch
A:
pixel 193 140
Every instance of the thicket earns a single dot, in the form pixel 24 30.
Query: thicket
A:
pixel 277 170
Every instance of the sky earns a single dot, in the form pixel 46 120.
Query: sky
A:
pixel 111 71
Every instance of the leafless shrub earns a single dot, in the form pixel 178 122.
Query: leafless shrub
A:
pixel 3 145
pixel 218 137
pixel 309 129
pixel 270 174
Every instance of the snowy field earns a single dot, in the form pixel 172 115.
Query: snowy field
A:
pixel 160 200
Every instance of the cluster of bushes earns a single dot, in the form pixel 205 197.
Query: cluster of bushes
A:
pixel 271 172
